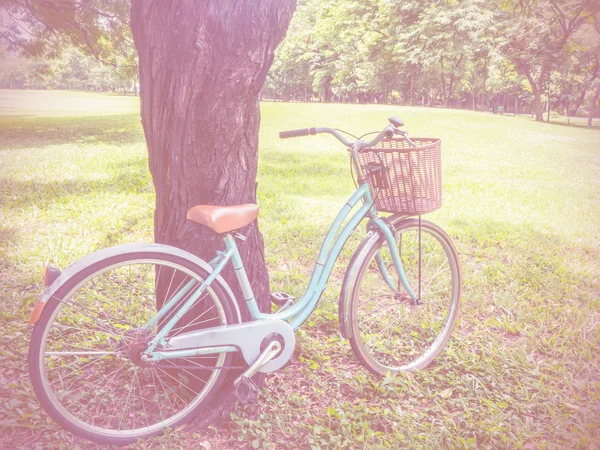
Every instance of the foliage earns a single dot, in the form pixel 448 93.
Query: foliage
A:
pixel 455 53
pixel 43 32
pixel 462 53
pixel 72 69
pixel 39 27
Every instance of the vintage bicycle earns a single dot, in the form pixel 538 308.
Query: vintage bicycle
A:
pixel 136 338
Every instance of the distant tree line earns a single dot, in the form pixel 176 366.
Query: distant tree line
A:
pixel 516 56
pixel 71 70
pixel 475 54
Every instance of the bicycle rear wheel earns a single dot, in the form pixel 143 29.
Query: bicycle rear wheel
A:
pixel 85 351
pixel 389 330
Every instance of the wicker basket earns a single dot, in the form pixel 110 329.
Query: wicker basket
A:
pixel 405 179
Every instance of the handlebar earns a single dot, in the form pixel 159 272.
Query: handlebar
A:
pixel 313 131
pixel 405 135
pixel 388 132
pixel 297 133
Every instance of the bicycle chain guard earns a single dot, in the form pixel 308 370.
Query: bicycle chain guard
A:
pixel 248 337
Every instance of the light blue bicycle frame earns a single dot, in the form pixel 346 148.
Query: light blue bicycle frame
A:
pixel 301 310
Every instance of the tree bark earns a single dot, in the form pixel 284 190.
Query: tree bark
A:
pixel 202 65
pixel 537 97
pixel 585 86
pixel 592 107
pixel 451 84
pixel 443 85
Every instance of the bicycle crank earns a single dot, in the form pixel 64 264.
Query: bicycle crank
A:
pixel 245 389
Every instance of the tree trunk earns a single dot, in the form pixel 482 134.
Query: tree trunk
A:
pixel 536 88
pixel 410 91
pixel 450 87
pixel 451 84
pixel 549 81
pixel 443 85
pixel 592 107
pixel 202 65
pixel 537 105
pixel 578 102
pixel 586 85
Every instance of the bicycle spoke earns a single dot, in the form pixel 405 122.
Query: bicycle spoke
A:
pixel 126 403
pixel 89 388
pixel 142 399
pixel 162 384
pixel 194 322
pixel 387 327
pixel 176 307
pixel 408 335
pixel 82 310
pixel 185 370
pixel 94 341
pixel 79 369
pixel 179 382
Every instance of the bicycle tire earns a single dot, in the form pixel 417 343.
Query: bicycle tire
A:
pixel 85 315
pixel 388 331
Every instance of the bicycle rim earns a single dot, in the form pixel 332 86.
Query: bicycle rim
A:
pixel 90 375
pixel 391 331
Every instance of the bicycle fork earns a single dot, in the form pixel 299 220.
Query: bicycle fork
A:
pixel 390 239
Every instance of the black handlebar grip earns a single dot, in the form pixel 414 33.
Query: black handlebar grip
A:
pixel 297 133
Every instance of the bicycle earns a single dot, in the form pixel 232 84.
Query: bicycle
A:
pixel 133 339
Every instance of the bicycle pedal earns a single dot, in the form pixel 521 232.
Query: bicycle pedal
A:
pixel 282 299
pixel 245 390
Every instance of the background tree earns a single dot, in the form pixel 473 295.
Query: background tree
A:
pixel 44 30
pixel 536 43
pixel 451 53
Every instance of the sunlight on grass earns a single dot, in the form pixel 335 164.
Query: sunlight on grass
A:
pixel 65 103
pixel 521 200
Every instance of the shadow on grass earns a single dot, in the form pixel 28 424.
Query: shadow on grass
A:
pixel 132 177
pixel 8 235
pixel 20 132
pixel 595 125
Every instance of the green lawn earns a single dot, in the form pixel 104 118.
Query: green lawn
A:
pixel 65 103
pixel 521 201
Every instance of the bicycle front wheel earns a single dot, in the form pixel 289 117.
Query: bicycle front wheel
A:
pixel 390 330
pixel 85 352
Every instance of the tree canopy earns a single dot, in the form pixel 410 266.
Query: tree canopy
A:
pixel 460 53
pixel 69 45
pixel 523 55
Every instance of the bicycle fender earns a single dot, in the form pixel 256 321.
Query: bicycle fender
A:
pixel 248 337
pixel 347 291
pixel 118 250
pixel 348 284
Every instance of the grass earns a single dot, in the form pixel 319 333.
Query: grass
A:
pixel 521 201
pixel 65 103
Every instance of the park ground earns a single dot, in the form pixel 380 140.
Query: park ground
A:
pixel 521 201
